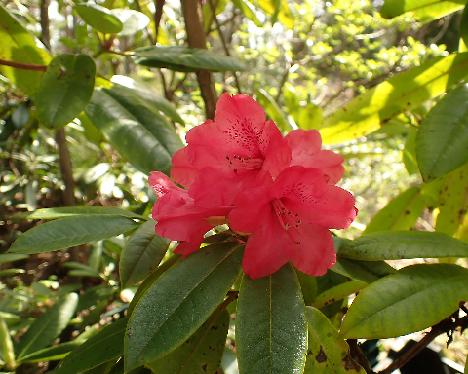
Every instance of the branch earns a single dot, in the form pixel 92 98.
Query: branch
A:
pixel 357 353
pixel 197 39
pixel 22 65
pixel 158 4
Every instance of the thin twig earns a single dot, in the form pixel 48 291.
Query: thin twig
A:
pixel 158 4
pixel 22 65
pixel 359 356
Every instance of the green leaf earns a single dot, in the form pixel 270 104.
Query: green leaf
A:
pixel 134 128
pixel 11 257
pixel 68 211
pixel 309 287
pixel 404 91
pixel 186 59
pixel 99 18
pixel 65 89
pixel 45 329
pixel 442 139
pixel 338 292
pixel 271 330
pixel 400 213
pixel 56 352
pixel 422 10
pixel 273 111
pixel 327 352
pixel 367 271
pixel 142 254
pixel 199 354
pixel 179 302
pixel 464 29
pixel 248 9
pixel 404 244
pixel 417 297
pixel 309 117
pixel 70 231
pixel 105 345
pixel 7 351
pixel 17 44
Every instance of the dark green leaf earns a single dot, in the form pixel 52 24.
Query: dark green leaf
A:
pixel 338 292
pixel 142 254
pixel 99 18
pixel 422 10
pixel 134 127
pixel 56 352
pixel 67 211
pixel 179 302
pixel 105 345
pixel 199 354
pixel 442 139
pixel 11 257
pixel 367 271
pixel 404 244
pixel 186 59
pixel 327 352
pixel 410 300
pixel 70 231
pixel 271 330
pixel 45 329
pixel 65 89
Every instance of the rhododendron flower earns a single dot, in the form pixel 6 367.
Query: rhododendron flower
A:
pixel 288 220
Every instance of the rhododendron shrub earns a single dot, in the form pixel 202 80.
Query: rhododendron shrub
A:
pixel 277 192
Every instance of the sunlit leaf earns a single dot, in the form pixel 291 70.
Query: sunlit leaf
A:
pixel 99 18
pixel 422 10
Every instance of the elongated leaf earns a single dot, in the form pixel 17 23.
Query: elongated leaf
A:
pixel 105 345
pixel 273 110
pixel 179 302
pixel 54 353
pixel 17 44
pixel 400 213
pixel 47 327
pixel 11 257
pixel 142 254
pixel 422 10
pixel 442 139
pixel 67 211
pixel 248 9
pixel 134 128
pixel 199 354
pixel 7 351
pixel 70 231
pixel 367 271
pixel 407 90
pixel 417 297
pixel 186 59
pixel 271 330
pixel 404 244
pixel 65 89
pixel 99 18
pixel 327 352
pixel 338 292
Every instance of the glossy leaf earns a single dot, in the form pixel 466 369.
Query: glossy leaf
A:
pixel 417 296
pixel 134 128
pixel 367 271
pixel 404 244
pixel 404 91
pixel 186 59
pixel 327 352
pixel 68 211
pixel 17 44
pixel 422 10
pixel 105 345
pixel 56 352
pixel 338 292
pixel 65 89
pixel 199 354
pixel 442 139
pixel 179 302
pixel 70 231
pixel 271 330
pixel 99 18
pixel 142 254
pixel 45 329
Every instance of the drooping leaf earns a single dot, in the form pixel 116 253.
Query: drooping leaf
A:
pixel 45 329
pixel 143 253
pixel 367 271
pixel 404 91
pixel 56 352
pixel 338 292
pixel 422 10
pixel 327 352
pixel 65 89
pixel 99 18
pixel 186 59
pixel 17 44
pixel 271 330
pixel 404 244
pixel 134 128
pixel 70 231
pixel 68 211
pixel 179 302
pixel 105 345
pixel 199 354
pixel 442 139
pixel 417 296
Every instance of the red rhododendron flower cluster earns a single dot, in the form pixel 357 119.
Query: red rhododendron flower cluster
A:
pixel 280 190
